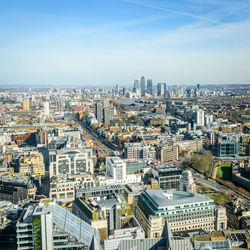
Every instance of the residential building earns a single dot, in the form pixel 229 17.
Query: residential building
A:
pixel 99 112
pixel 167 153
pixel 108 115
pixel 46 108
pixel 139 151
pixel 199 117
pixel 26 105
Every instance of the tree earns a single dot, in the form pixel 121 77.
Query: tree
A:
pixel 202 161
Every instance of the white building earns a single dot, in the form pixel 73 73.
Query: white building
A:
pixel 71 162
pixel 116 172
pixel 116 168
pixel 187 183
pixel 46 108
pixel 200 117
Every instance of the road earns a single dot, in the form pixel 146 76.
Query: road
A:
pixel 217 186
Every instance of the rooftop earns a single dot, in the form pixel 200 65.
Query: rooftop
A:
pixel 66 220
pixel 167 168
pixel 170 198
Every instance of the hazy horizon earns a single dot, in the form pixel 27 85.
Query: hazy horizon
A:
pixel 61 42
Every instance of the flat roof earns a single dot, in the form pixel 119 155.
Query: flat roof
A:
pixel 160 197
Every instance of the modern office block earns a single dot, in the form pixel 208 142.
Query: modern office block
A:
pixel 183 211
pixel 49 226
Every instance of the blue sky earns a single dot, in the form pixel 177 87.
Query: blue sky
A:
pixel 116 41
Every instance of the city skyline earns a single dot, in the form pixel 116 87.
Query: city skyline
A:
pixel 100 42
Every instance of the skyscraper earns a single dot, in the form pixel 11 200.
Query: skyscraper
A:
pixel 26 105
pixel 143 87
pixel 199 117
pixel 149 85
pixel 98 112
pixel 160 89
pixel 136 84
pixel 198 90
pixel 198 86
pixel 108 115
pixel 117 89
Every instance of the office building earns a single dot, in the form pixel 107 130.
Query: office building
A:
pixel 71 162
pixel 228 146
pixel 116 168
pixel 102 212
pixel 150 86
pixel 49 226
pixel 63 188
pixel 116 173
pixel 161 89
pixel 168 176
pixel 26 105
pixel 117 89
pixel 16 188
pixel 143 86
pixel 184 211
pixel 130 229
pixel 136 84
pixel 98 191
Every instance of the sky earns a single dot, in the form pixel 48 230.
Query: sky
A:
pixel 105 42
